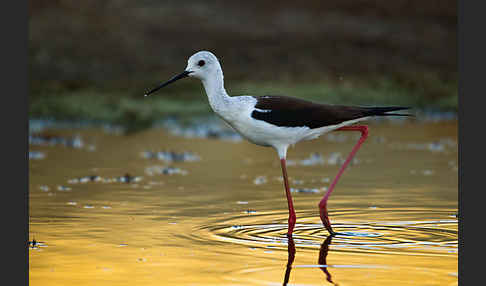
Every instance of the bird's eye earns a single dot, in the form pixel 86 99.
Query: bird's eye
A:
pixel 200 63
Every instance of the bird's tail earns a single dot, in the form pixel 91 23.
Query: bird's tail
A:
pixel 384 111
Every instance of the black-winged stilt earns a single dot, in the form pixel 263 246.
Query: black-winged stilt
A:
pixel 279 121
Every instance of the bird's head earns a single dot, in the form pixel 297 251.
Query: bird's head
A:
pixel 202 65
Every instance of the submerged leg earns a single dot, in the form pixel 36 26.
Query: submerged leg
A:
pixel 289 199
pixel 323 203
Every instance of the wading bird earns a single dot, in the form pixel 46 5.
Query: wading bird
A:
pixel 279 121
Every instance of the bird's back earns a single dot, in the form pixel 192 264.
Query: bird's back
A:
pixel 295 112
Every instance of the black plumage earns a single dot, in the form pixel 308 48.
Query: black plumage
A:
pixel 294 112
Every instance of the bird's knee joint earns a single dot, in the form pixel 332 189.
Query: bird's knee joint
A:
pixel 364 131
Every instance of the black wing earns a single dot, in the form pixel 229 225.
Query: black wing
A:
pixel 294 112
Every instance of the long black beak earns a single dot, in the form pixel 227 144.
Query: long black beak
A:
pixel 177 77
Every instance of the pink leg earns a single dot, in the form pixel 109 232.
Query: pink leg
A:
pixel 289 199
pixel 323 203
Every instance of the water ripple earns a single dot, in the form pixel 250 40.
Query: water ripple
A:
pixel 435 236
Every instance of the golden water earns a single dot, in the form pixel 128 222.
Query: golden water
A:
pixel 395 209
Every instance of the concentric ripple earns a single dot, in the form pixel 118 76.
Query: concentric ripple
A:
pixel 435 235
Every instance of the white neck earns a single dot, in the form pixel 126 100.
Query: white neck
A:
pixel 214 86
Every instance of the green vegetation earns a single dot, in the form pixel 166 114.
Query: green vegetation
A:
pixel 187 98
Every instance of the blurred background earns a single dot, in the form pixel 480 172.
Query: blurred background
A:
pixel 93 60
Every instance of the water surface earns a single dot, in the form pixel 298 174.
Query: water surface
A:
pixel 220 219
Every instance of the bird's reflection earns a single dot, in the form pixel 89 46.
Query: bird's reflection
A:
pixel 290 260
pixel 321 260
